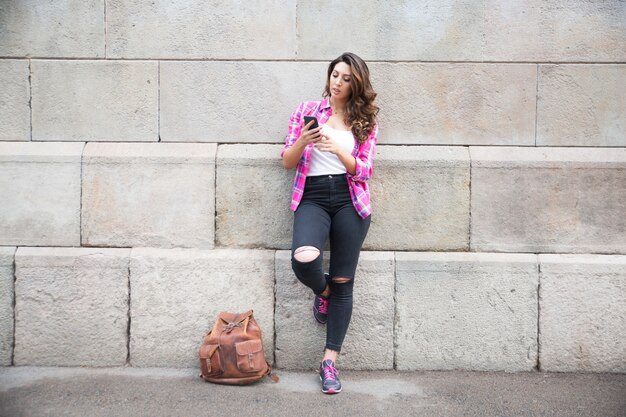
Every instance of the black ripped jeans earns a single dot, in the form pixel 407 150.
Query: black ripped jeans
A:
pixel 326 212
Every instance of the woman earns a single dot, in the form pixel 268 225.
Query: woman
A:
pixel 330 196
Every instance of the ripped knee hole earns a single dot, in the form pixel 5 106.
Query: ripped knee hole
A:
pixel 341 280
pixel 306 254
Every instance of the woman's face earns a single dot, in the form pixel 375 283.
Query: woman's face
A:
pixel 339 83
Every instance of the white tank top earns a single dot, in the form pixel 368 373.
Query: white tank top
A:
pixel 326 163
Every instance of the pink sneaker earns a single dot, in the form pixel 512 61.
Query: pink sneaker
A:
pixel 320 306
pixel 320 309
pixel 329 375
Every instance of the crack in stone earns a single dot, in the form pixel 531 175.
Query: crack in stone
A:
pixel 504 301
pixel 129 317
pixel 538 363
pixel 14 310
pixel 30 98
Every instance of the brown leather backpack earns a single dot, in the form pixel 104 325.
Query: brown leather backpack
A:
pixel 232 352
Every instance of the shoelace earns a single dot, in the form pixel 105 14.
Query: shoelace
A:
pixel 323 306
pixel 329 373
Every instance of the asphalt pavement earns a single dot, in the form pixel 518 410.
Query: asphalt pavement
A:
pixel 87 392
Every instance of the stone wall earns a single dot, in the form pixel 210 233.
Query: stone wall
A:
pixel 142 189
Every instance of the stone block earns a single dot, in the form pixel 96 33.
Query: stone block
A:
pixel 69 29
pixel 460 104
pixel 466 311
pixel 71 306
pixel 40 189
pixel 177 294
pixel 153 194
pixel 432 214
pixel 6 305
pixel 253 197
pixel 234 30
pixel 548 200
pixel 582 325
pixel 368 344
pixel 14 99
pixel 95 100
pixel 558 30
pixel 581 105
pixel 420 198
pixel 234 101
pixel 492 30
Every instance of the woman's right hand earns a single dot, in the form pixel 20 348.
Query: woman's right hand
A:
pixel 309 135
pixel 292 155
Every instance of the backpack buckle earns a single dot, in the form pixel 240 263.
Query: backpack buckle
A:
pixel 230 326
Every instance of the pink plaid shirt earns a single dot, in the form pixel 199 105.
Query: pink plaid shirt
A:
pixel 363 153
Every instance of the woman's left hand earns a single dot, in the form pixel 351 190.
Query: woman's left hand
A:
pixel 327 144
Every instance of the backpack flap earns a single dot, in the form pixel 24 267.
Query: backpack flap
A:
pixel 210 363
pixel 250 356
pixel 227 317
pixel 232 320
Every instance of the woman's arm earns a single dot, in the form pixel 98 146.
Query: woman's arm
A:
pixel 365 157
pixel 297 138
pixel 292 155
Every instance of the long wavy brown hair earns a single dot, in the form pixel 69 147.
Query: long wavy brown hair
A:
pixel 361 111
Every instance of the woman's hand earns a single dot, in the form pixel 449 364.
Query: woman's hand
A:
pixel 292 155
pixel 327 144
pixel 309 135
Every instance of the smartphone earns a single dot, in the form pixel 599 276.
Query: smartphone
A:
pixel 307 120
